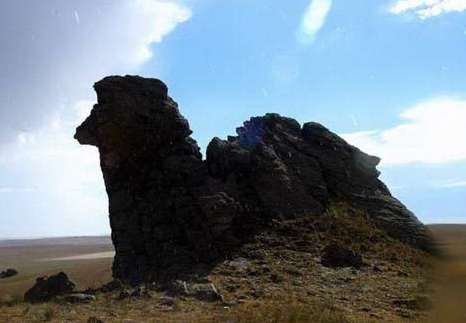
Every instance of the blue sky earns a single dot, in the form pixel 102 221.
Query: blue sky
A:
pixel 389 76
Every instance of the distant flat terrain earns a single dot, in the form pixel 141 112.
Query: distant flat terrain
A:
pixel 450 276
pixel 451 239
pixel 87 260
pixel 67 241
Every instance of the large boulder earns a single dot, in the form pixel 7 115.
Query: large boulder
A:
pixel 169 209
pixel 47 288
pixel 10 272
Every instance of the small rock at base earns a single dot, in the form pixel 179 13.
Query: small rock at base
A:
pixel 79 298
pixel 112 286
pixel 10 272
pixel 334 256
pixel 47 288
pixel 167 300
pixel 205 292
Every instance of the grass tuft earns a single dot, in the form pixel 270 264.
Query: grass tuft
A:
pixel 286 312
pixel 10 300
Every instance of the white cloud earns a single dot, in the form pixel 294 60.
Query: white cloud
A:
pixel 424 9
pixel 160 18
pixel 60 50
pixel 62 179
pixel 452 184
pixel 433 131
pixel 76 17
pixel 313 20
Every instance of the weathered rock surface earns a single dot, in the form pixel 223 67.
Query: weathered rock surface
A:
pixel 79 298
pixel 10 272
pixel 47 288
pixel 169 209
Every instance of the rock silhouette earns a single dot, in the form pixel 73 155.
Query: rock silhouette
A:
pixel 47 288
pixel 170 209
pixel 10 272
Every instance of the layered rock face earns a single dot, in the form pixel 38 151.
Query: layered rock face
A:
pixel 170 209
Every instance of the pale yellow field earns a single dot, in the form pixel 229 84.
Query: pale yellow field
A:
pixel 33 261
pixel 449 279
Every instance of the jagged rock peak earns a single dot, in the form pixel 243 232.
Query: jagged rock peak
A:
pixel 169 209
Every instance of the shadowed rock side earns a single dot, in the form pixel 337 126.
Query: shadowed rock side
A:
pixel 169 209
pixel 47 288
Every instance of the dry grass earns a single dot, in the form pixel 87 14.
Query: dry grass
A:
pixel 285 312
pixel 307 292
pixel 288 311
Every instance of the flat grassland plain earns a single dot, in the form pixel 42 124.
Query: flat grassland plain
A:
pixel 449 278
pixel 87 260
pixel 39 257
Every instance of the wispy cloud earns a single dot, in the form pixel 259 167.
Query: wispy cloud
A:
pixel 160 19
pixel 452 184
pixel 8 189
pixel 433 131
pixel 76 17
pixel 313 20
pixel 424 9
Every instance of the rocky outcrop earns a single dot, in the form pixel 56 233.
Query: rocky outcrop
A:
pixel 10 272
pixel 169 209
pixel 47 288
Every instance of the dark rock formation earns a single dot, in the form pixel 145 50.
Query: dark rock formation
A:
pixel 10 272
pixel 169 209
pixel 47 288
pixel 335 256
